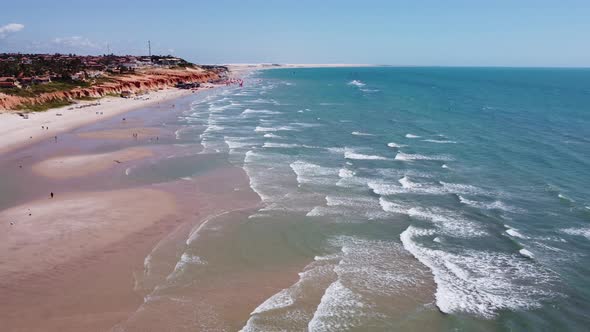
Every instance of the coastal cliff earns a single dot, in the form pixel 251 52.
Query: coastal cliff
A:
pixel 145 80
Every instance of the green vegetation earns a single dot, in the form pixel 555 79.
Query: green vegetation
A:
pixel 18 92
pixel 36 89
pixel 56 86
pixel 88 98
pixel 102 79
pixel 63 67
pixel 44 106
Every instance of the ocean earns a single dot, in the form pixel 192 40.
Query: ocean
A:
pixel 401 199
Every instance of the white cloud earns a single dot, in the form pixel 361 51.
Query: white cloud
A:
pixel 10 28
pixel 75 41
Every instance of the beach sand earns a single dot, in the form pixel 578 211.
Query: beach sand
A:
pixel 17 131
pixel 76 262
pixel 124 133
pixel 85 164
pixel 49 232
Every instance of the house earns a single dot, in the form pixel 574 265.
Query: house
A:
pixel 128 66
pixel 79 76
pixel 169 61
pixel 94 73
pixel 41 79
pixel 25 81
pixel 7 82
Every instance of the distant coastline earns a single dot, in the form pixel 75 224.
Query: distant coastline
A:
pixel 37 82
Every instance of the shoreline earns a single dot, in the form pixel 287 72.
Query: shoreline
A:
pixel 59 251
pixel 19 132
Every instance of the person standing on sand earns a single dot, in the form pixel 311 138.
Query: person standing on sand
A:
pixel 51 194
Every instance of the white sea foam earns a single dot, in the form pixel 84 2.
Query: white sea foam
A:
pixel 439 141
pixel 481 282
pixel 351 154
pixel 565 198
pixel 412 136
pixel 526 253
pixel 358 133
pixel 271 135
pixel 345 173
pixel 460 188
pixel 515 233
pixel 238 143
pixel 585 232
pixel 283 307
pixel 349 282
pixel 348 208
pixel 249 111
pixel 495 205
pixel 411 157
pixel 272 129
pixel 448 222
pixel 280 145
pixel 357 83
pixel 336 307
pixel 369 270
pixel 185 260
pixel 395 145
pixel 309 173
pixel 444 166
pixel 410 187
pixel 281 299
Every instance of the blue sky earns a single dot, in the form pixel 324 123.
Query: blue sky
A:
pixel 419 32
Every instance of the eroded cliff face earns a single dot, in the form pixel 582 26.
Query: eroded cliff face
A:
pixel 140 81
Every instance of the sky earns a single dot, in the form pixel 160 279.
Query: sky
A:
pixel 538 33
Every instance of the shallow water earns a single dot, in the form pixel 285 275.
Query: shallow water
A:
pixel 405 198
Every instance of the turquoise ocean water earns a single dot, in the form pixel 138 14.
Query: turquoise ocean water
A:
pixel 424 198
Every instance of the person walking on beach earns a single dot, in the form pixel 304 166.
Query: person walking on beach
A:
pixel 51 194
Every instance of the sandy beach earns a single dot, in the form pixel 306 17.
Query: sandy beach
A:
pixel 80 165
pixel 17 131
pixel 55 252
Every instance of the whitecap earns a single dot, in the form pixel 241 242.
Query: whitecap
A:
pixel 439 141
pixel 351 154
pixel 395 145
pixel 495 205
pixel 345 173
pixel 356 83
pixel 359 133
pixel 515 233
pixel 280 145
pixel 249 111
pixel 481 282
pixel 585 232
pixel 271 135
pixel 412 136
pixel 411 157
pixel 272 129
pixel 526 253
pixel 308 173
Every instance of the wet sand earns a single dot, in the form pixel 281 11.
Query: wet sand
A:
pixel 124 133
pixel 18 132
pixel 74 263
pixel 85 164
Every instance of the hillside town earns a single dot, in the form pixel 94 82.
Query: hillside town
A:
pixel 42 81
pixel 22 70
